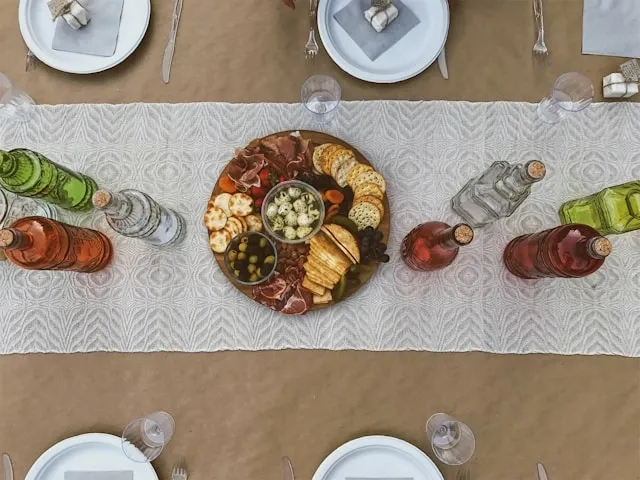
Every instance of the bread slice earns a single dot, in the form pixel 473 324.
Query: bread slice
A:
pixel 364 215
pixel 313 287
pixel 344 240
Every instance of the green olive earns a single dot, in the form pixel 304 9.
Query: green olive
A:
pixel 259 272
pixel 232 265
pixel 242 256
pixel 244 240
pixel 253 259
pixel 253 277
pixel 263 242
pixel 233 254
pixel 236 273
pixel 270 259
pixel 251 268
pixel 243 246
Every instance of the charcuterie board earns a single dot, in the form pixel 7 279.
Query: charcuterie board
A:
pixel 322 204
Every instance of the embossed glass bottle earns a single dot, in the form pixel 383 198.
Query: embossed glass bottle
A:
pixel 434 245
pixel 568 251
pixel 135 214
pixel 30 174
pixel 497 192
pixel 613 210
pixel 38 243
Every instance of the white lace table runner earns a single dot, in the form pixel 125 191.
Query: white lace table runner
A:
pixel 178 299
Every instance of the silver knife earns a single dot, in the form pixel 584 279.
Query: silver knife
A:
pixel 6 467
pixel 542 473
pixel 442 63
pixel 287 469
pixel 171 43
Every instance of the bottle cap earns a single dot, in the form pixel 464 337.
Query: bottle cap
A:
pixel 536 169
pixel 601 247
pixel 7 237
pixel 101 199
pixel 463 234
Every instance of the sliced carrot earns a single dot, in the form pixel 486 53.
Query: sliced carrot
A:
pixel 334 196
pixel 227 185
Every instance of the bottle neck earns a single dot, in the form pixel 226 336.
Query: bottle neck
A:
pixel 12 239
pixel 597 247
pixel 530 172
pixel 454 237
pixel 8 164
pixel 117 205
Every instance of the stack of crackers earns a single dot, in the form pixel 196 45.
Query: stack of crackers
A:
pixel 228 215
pixel 368 185
pixel 333 250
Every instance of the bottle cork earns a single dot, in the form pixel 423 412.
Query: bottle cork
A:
pixel 601 247
pixel 101 199
pixel 7 238
pixel 536 169
pixel 463 234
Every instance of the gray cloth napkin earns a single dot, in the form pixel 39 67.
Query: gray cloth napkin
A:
pixel 122 475
pixel 372 43
pixel 99 37
pixel 611 27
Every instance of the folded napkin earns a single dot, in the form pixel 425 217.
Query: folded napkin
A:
pixel 92 475
pixel 372 43
pixel 99 37
pixel 611 27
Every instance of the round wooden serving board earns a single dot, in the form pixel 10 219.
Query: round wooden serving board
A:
pixel 318 138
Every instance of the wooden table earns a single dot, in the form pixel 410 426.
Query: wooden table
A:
pixel 237 413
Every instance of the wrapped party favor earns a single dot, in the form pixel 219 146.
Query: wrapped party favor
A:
pixel 380 17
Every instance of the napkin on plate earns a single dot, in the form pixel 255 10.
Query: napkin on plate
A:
pixel 611 27
pixel 93 475
pixel 372 43
pixel 99 37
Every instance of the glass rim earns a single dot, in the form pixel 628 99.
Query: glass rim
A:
pixel 450 418
pixel 584 103
pixel 324 77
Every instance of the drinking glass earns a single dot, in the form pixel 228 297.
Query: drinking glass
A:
pixel 321 96
pixel 144 438
pixel 571 93
pixel 13 207
pixel 451 440
pixel 14 103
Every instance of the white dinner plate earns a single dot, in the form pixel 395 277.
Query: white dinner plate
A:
pixel 410 56
pixel 377 458
pixel 37 29
pixel 88 452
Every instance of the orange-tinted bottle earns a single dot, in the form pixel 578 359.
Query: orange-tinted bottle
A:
pixel 39 243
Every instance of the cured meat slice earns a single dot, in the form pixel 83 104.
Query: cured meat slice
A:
pixel 299 302
pixel 272 289
pixel 244 168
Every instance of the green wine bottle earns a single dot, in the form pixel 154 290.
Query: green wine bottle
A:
pixel 30 174
pixel 613 210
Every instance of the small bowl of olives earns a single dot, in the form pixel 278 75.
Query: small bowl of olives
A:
pixel 292 212
pixel 250 258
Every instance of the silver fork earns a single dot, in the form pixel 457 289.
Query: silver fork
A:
pixel 540 50
pixel 463 474
pixel 31 61
pixel 311 48
pixel 180 471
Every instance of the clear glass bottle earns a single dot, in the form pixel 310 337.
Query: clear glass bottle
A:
pixel 434 245
pixel 30 174
pixel 613 210
pixel 497 192
pixel 568 251
pixel 135 214
pixel 38 243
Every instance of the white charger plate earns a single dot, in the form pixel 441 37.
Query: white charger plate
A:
pixel 410 56
pixel 37 30
pixel 377 457
pixel 88 452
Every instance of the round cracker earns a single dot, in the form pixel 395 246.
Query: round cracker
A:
pixel 254 223
pixel 333 157
pixel 364 215
pixel 317 156
pixel 215 219
pixel 222 201
pixel 373 200
pixel 367 189
pixel 370 177
pixel 243 222
pixel 240 205
pixel 356 171
pixel 234 226
pixel 343 171
pixel 341 157
pixel 219 240
pixel 326 157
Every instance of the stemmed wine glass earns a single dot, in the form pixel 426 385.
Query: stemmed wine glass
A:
pixel 144 439
pixel 571 92
pixel 452 441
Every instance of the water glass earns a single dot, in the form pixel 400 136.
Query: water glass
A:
pixel 144 439
pixel 13 207
pixel 452 441
pixel 571 93
pixel 14 103
pixel 321 96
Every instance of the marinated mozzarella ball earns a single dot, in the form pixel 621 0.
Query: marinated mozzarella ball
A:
pixel 278 224
pixel 303 231
pixel 290 233
pixel 291 219
pixel 304 220
pixel 307 197
pixel 272 211
pixel 314 213
pixel 300 206
pixel 281 198
pixel 285 208
pixel 294 192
